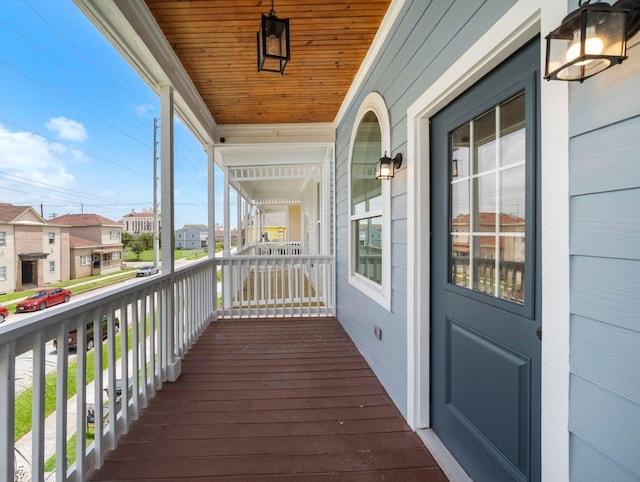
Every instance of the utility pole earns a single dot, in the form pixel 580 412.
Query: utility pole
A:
pixel 156 234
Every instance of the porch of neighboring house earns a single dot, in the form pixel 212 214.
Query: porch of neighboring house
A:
pixel 277 399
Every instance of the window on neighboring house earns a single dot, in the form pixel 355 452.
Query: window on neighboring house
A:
pixel 115 235
pixel 52 238
pixel 52 266
pixel 3 273
pixel 85 260
pixel 3 238
pixel 115 255
pixel 369 201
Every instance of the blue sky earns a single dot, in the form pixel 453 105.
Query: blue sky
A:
pixel 76 122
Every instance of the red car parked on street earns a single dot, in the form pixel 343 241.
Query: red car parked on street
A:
pixel 3 313
pixel 44 298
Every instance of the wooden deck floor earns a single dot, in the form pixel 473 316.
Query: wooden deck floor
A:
pixel 272 400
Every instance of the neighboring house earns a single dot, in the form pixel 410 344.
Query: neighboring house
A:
pixel 32 251
pixel 233 234
pixel 192 236
pixel 270 226
pixel 95 244
pixel 140 223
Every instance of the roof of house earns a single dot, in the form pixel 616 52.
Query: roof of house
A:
pixel 199 227
pixel 9 212
pixel 84 220
pixel 140 215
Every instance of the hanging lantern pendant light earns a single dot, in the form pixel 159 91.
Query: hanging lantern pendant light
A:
pixel 273 43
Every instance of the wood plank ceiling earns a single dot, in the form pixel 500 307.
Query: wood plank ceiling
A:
pixel 216 42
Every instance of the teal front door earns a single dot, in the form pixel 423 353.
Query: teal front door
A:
pixel 485 296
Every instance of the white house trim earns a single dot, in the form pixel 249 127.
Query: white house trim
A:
pixel 517 26
pixel 375 103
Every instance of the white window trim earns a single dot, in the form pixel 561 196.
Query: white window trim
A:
pixel 524 20
pixel 3 273
pixel 381 294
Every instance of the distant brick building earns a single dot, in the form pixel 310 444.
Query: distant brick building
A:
pixel 140 223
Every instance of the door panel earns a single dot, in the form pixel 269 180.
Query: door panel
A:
pixel 485 394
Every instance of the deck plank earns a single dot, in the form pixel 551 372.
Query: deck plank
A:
pixel 272 400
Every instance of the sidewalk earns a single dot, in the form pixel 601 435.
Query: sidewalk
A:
pixel 24 445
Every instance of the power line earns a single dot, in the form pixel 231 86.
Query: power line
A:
pixel 55 141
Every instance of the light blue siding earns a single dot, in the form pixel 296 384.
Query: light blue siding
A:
pixel 590 465
pixel 613 422
pixel 607 159
pixel 600 226
pixel 427 38
pixel 604 400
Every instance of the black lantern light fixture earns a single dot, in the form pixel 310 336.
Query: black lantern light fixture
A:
pixel 386 167
pixel 273 43
pixel 591 39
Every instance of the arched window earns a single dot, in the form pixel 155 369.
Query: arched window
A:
pixel 369 202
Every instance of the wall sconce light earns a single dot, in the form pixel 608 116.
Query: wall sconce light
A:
pixel 454 168
pixel 273 43
pixel 385 167
pixel 591 39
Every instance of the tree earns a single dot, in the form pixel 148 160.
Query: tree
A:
pixel 137 246
pixel 127 239
pixel 147 240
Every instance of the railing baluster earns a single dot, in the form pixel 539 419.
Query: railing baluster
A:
pixel 7 404
pixel 98 394
pixel 37 409
pixel 61 400
pixel 135 358
pixel 81 389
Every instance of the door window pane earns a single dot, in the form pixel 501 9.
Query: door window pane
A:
pixel 484 134
pixel 512 200
pixel 487 202
pixel 512 132
pixel 460 152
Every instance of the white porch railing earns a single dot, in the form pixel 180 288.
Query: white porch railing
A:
pixel 159 319
pixel 277 286
pixel 273 248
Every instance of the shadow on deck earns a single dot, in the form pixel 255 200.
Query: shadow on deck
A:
pixel 272 400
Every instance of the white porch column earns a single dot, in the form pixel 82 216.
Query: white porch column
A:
pixel 227 214
pixel 211 214
pixel 226 272
pixel 166 164
pixel 238 221
pixel 174 364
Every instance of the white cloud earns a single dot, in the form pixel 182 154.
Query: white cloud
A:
pixel 144 110
pixel 67 129
pixel 26 160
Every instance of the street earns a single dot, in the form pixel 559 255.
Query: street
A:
pixel 24 362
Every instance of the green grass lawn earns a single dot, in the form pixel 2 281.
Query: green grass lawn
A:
pixel 147 255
